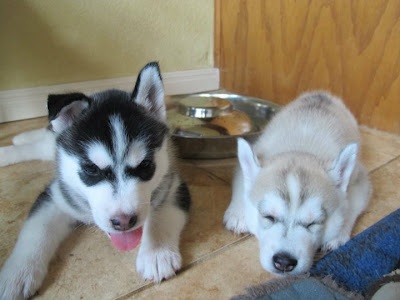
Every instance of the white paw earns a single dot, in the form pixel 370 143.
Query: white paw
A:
pixel 235 221
pixel 7 156
pixel 20 280
pixel 20 139
pixel 29 137
pixel 158 264
pixel 335 243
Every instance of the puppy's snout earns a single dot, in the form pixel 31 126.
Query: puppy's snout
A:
pixel 123 222
pixel 284 262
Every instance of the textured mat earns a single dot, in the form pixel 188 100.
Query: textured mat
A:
pixel 366 258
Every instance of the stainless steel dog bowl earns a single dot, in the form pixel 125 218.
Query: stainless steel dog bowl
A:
pixel 206 125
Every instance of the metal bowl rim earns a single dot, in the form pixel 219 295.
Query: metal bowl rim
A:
pixel 226 95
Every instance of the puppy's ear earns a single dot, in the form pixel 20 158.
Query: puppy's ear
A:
pixel 149 90
pixel 248 162
pixel 64 109
pixel 343 165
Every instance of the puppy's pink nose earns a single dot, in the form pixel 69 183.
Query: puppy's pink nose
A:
pixel 123 222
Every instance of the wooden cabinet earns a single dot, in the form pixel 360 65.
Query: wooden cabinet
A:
pixel 276 49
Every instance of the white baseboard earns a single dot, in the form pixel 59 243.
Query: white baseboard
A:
pixel 32 102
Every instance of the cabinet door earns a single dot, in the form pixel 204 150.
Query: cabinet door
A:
pixel 277 49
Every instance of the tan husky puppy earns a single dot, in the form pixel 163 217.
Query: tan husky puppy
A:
pixel 302 186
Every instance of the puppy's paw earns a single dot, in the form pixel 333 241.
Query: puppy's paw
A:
pixel 8 156
pixel 335 243
pixel 235 221
pixel 28 137
pixel 158 264
pixel 20 139
pixel 20 280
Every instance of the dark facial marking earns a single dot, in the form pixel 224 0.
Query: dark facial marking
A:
pixel 91 174
pixel 78 203
pixel 144 171
pixel 95 124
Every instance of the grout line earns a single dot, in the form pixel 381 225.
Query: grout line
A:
pixel 383 165
pixel 188 266
pixel 216 252
pixel 214 175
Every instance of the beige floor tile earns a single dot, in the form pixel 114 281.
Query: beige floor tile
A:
pixel 9 130
pixel 222 169
pixel 385 196
pixel 19 187
pixel 223 275
pixel 378 147
pixel 88 267
pixel 381 141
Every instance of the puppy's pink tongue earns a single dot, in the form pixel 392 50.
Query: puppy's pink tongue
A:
pixel 125 241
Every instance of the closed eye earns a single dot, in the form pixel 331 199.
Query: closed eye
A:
pixel 270 218
pixel 311 224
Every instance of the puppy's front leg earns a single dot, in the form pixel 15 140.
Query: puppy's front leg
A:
pixel 234 218
pixel 29 137
pixel 35 145
pixel 43 231
pixel 159 255
pixel 358 194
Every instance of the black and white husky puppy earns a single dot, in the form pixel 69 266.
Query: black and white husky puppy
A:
pixel 115 169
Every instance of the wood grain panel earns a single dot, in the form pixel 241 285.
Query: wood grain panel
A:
pixel 277 49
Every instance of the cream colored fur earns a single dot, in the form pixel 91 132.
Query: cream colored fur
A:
pixel 301 187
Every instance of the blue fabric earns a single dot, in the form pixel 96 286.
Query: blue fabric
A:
pixel 366 258
pixel 309 288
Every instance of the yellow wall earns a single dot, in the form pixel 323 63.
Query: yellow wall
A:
pixel 46 42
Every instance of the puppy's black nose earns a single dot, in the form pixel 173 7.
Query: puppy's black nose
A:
pixel 123 222
pixel 284 262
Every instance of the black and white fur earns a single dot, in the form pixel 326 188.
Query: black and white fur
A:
pixel 115 169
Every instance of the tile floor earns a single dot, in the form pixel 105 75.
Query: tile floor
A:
pixel 216 263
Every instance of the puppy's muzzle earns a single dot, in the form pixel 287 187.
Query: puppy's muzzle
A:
pixel 284 262
pixel 123 222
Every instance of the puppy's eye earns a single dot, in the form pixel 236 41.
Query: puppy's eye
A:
pixel 145 164
pixel 270 218
pixel 145 170
pixel 310 224
pixel 91 169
